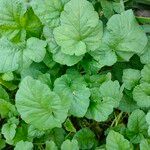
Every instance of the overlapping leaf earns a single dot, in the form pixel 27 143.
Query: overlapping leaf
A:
pixel 123 38
pixel 49 11
pixel 39 106
pixel 80 30
pixel 78 94
pixel 18 56
pixel 17 22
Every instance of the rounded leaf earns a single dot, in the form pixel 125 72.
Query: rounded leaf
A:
pixel 39 106
pixel 76 92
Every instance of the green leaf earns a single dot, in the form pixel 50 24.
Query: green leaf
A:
pixel 50 145
pixel 35 49
pixel 96 80
pixel 46 79
pixel 127 104
pixel 57 135
pixel 118 6
pixel 24 145
pixel 123 37
pixel 32 24
pixel 103 100
pixel 86 138
pixel 9 56
pixel 3 94
pixel 21 55
pixel 137 126
pixel 31 71
pixel 116 141
pixel 110 7
pixel 16 22
pixel 99 108
pixel 21 133
pixel 57 55
pixel 49 11
pixel 6 109
pixel 146 55
pixel 70 145
pixel 9 131
pixel 8 76
pixel 2 143
pixel 145 144
pixel 114 92
pixel 145 74
pixel 75 88
pixel 148 121
pixel 107 8
pixel 141 94
pixel 10 85
pixel 34 133
pixel 104 58
pixel 11 19
pixel 129 32
pixel 80 30
pixel 69 126
pixel 39 106
pixel 130 78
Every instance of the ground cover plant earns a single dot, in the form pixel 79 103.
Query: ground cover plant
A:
pixel 74 74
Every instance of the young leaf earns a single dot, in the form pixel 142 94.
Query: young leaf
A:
pixel 17 22
pixel 8 76
pixel 69 126
pixel 39 106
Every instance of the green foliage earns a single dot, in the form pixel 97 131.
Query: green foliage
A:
pixel 74 74
pixel 85 138
pixel 137 126
pixel 116 141
pixel 24 145
pixel 67 145
pixel 39 106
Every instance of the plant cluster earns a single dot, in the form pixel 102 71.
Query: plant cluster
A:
pixel 74 74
